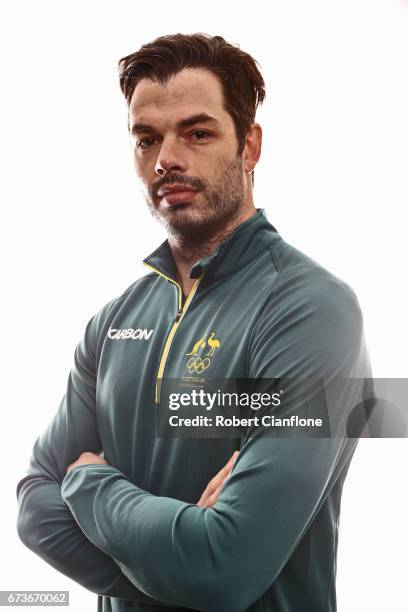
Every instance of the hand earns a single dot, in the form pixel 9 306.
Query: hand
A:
pixel 211 493
pixel 86 458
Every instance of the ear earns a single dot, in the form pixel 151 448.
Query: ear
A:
pixel 252 148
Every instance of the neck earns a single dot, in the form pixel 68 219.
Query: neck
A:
pixel 186 252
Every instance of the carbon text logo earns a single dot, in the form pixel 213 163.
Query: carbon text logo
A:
pixel 129 334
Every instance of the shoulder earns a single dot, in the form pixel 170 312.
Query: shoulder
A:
pixel 310 324
pixel 305 288
pixel 310 320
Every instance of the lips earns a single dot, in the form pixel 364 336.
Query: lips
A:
pixel 177 194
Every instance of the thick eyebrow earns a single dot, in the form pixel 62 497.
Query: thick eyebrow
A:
pixel 138 128
pixel 199 118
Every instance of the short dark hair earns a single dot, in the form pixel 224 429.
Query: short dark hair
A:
pixel 242 83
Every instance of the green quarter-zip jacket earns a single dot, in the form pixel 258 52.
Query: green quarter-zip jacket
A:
pixel 131 531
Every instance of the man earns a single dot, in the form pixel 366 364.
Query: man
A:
pixel 148 525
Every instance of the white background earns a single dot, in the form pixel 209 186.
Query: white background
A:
pixel 332 178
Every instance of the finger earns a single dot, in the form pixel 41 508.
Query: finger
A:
pixel 218 479
pixel 223 473
pixel 213 498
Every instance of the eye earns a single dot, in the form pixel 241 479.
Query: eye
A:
pixel 145 143
pixel 199 135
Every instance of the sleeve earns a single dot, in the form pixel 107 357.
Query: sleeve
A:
pixel 224 558
pixel 45 524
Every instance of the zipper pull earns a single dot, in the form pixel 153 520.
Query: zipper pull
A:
pixel 178 315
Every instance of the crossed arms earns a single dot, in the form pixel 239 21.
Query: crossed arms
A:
pixel 114 538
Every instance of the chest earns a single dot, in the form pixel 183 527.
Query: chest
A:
pixel 145 345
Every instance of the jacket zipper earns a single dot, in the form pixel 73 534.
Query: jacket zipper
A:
pixel 179 316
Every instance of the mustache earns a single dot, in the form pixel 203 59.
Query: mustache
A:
pixel 171 179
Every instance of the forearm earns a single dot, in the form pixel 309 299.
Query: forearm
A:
pixel 213 559
pixel 46 526
pixel 138 535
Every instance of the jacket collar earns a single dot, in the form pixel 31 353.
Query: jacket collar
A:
pixel 242 245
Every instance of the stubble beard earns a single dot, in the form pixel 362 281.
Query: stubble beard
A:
pixel 220 205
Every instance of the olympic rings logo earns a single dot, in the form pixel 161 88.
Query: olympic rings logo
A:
pixel 196 364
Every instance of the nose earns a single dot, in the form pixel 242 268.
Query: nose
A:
pixel 170 158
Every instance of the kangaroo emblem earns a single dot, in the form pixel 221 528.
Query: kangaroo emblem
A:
pixel 199 344
pixel 213 343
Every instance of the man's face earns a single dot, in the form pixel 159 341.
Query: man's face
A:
pixel 185 153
